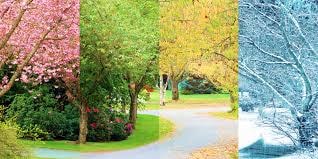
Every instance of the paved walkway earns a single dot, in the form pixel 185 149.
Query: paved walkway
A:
pixel 195 130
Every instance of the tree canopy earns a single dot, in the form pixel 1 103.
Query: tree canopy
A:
pixel 201 37
pixel 278 55
pixel 37 48
pixel 119 51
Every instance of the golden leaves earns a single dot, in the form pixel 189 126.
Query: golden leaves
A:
pixel 201 37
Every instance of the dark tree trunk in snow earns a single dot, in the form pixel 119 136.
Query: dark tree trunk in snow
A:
pixel 306 132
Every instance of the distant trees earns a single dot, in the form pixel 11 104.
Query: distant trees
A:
pixel 278 51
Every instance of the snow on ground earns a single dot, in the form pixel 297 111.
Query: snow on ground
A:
pixel 249 132
pixel 302 155
pixel 252 130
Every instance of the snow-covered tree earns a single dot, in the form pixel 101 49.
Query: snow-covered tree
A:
pixel 279 60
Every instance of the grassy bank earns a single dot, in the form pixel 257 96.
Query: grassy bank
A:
pixel 147 131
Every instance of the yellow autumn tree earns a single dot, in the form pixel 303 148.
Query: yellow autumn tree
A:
pixel 200 37
pixel 219 62
pixel 180 40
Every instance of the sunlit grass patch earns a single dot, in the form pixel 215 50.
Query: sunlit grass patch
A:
pixel 225 115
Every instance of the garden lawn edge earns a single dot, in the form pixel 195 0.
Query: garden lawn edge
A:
pixel 147 132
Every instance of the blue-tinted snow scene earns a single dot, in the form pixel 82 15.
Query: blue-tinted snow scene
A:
pixel 278 79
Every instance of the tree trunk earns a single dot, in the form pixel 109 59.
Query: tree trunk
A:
pixel 83 125
pixel 162 92
pixel 306 131
pixel 175 90
pixel 164 80
pixel 133 108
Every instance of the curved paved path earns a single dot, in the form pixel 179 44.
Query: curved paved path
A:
pixel 194 130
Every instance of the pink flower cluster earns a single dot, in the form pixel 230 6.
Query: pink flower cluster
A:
pixel 93 125
pixel 4 81
pixel 95 110
pixel 118 120
pixel 59 51
pixel 129 128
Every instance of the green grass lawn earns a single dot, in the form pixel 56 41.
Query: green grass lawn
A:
pixel 147 131
pixel 192 98
pixel 186 100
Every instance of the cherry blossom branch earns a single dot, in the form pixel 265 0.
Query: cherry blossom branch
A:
pixel 18 71
pixel 15 25
pixel 27 59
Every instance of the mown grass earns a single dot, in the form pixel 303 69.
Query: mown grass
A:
pixel 147 131
pixel 192 98
pixel 187 101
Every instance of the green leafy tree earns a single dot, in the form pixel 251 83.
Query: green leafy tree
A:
pixel 138 25
pixel 119 52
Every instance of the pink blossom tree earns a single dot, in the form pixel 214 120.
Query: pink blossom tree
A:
pixel 39 40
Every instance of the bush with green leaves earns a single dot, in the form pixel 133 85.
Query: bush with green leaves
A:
pixel 41 115
pixel 9 143
pixel 118 130
pixel 196 85
pixel 106 124
pixel 34 132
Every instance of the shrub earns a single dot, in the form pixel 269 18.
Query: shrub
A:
pixel 9 144
pixel 108 125
pixel 98 126
pixel 34 132
pixel 41 115
pixel 118 129
pixel 247 105
pixel 187 92
pixel 129 128
pixel 99 132
pixel 196 85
